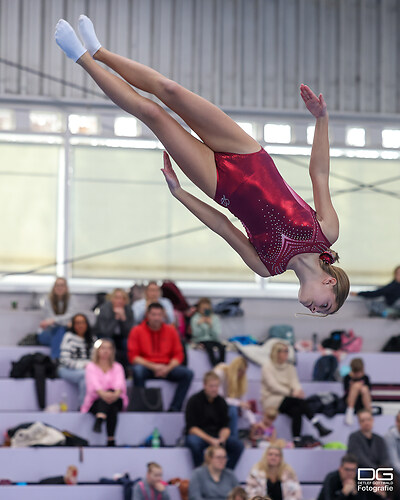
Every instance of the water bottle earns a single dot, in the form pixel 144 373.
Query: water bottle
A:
pixel 63 402
pixel 314 341
pixel 155 439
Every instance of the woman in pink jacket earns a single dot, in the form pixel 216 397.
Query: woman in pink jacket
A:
pixel 105 388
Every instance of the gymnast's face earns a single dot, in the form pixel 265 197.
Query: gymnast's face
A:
pixel 318 296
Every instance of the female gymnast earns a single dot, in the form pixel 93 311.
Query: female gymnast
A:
pixel 233 169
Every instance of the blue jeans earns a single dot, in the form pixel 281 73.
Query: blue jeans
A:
pixel 76 377
pixel 179 374
pixel 233 446
pixel 233 413
pixel 52 337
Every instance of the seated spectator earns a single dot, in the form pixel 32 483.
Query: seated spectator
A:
pixel 390 305
pixel 115 321
pixel 206 331
pixel 207 423
pixel 58 308
pixel 341 484
pixel 357 389
pixel 212 481
pixel 76 348
pixel 105 388
pixel 368 448
pixel 152 486
pixel 274 477
pixel 155 351
pixel 233 387
pixel 264 433
pixel 152 295
pixel 392 439
pixel 281 389
pixel 238 493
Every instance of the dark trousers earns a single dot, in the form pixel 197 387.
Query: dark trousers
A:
pixel 179 374
pixel 111 411
pixel 296 408
pixel 233 446
pixel 211 347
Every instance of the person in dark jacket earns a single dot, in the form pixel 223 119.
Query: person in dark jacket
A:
pixel 390 306
pixel 341 484
pixel 115 321
pixel 207 423
pixel 369 448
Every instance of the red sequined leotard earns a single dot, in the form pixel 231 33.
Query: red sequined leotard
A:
pixel 279 223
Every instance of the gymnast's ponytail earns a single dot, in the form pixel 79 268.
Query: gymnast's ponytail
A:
pixel 342 286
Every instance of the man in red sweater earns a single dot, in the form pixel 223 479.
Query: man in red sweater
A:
pixel 155 351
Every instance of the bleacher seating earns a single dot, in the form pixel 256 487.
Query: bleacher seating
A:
pixel 18 405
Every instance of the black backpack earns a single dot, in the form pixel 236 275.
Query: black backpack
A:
pixel 325 368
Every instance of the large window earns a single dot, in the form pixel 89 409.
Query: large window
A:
pixel 28 206
pixel 98 204
pixel 120 199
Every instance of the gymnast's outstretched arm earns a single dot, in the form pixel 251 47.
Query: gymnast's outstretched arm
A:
pixel 319 164
pixel 215 220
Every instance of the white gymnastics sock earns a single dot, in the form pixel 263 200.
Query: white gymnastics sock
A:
pixel 88 35
pixel 68 41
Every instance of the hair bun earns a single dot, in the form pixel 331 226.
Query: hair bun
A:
pixel 329 257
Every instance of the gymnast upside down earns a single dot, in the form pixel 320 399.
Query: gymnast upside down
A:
pixel 283 231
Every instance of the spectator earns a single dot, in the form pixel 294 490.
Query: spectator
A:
pixel 390 305
pixel 115 321
pixel 206 331
pixel 207 423
pixel 341 484
pixel 233 387
pixel 76 347
pixel 152 294
pixel 369 448
pixel 105 388
pixel 212 481
pixel 357 389
pixel 392 439
pixel 152 486
pixel 238 493
pixel 155 351
pixel 58 308
pixel 281 389
pixel 264 432
pixel 274 477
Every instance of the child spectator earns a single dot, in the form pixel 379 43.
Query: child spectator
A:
pixel 264 433
pixel 357 389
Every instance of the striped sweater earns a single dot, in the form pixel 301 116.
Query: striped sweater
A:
pixel 73 352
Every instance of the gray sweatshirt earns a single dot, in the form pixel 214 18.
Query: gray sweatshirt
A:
pixel 203 487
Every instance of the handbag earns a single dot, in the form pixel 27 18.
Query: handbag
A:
pixel 350 342
pixel 145 399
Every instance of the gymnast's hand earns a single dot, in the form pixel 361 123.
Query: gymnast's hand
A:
pixel 170 175
pixel 315 105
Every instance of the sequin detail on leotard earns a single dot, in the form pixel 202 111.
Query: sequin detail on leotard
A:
pixel 278 222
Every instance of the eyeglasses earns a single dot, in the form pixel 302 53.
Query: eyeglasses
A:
pixel 283 350
pixel 221 457
pixel 350 469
